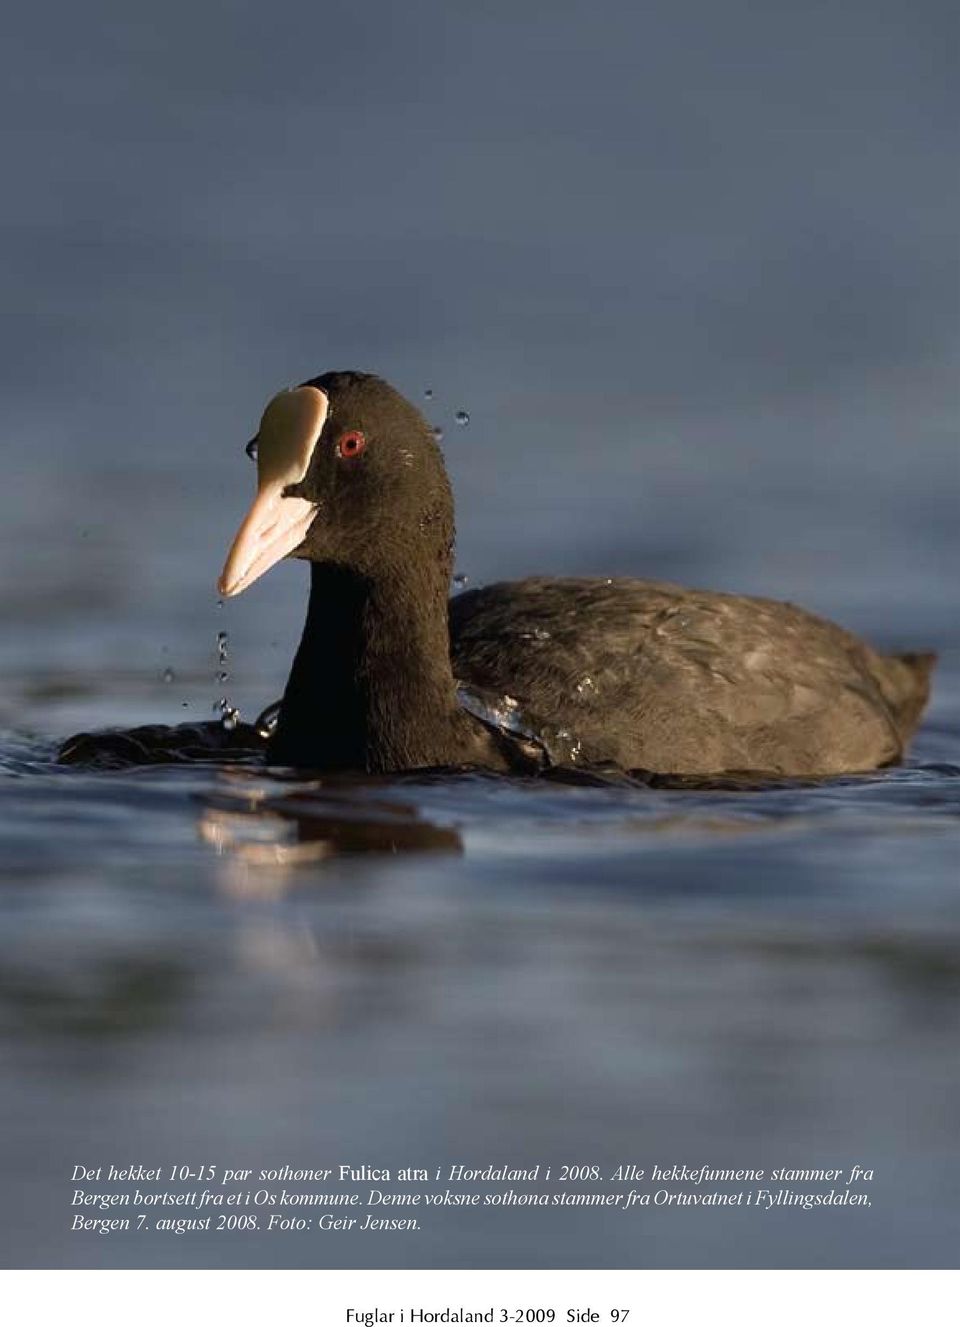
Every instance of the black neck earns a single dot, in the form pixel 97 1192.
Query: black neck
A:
pixel 371 686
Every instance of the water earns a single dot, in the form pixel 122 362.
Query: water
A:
pixel 229 714
pixel 708 338
pixel 212 963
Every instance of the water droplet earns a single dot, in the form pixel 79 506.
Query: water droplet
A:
pixel 184 704
pixel 437 432
pixel 462 418
pixel 585 686
pixel 229 716
pixel 428 393
pixel 168 675
pixel 500 711
pixel 460 580
pixel 219 603
pixel 266 722
pixel 536 633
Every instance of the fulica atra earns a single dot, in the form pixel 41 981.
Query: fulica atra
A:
pixel 639 674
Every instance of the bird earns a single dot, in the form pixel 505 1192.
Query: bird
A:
pixel 392 674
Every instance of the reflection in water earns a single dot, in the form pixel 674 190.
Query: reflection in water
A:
pixel 275 833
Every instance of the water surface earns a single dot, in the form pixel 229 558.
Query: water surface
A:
pixel 217 964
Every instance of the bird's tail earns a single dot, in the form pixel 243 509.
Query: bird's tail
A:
pixel 904 680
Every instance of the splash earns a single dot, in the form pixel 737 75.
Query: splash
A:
pixel 228 712
pixel 559 746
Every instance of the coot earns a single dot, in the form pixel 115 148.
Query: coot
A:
pixel 639 674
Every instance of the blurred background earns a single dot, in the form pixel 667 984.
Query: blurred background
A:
pixel 691 270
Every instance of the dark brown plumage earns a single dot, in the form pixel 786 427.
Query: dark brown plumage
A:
pixel 639 674
pixel 653 676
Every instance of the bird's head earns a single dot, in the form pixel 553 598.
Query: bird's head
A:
pixel 349 473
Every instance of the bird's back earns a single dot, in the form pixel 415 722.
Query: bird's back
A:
pixel 653 676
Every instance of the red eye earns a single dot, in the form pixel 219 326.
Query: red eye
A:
pixel 351 444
